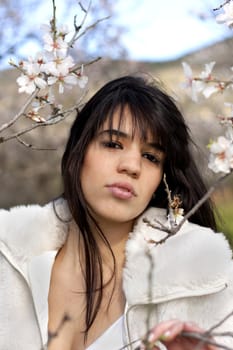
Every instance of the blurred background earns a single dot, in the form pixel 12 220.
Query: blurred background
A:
pixel 151 37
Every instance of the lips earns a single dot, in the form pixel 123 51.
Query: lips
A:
pixel 122 190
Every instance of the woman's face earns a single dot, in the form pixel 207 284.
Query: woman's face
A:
pixel 120 172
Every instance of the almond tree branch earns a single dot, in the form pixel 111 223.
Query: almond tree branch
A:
pixel 91 26
pixel 77 28
pixel 175 228
pixel 222 83
pixel 205 340
pixel 221 322
pixel 53 21
pixel 28 145
pixel 21 112
pixel 200 202
pixel 50 121
pixel 78 66
pixel 221 6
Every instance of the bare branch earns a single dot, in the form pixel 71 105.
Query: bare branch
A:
pixel 28 145
pixel 92 26
pixel 21 112
pixel 201 201
pixel 221 322
pixel 205 340
pixel 53 21
pixel 77 28
pixel 50 121
pixel 221 6
pixel 78 66
pixel 175 228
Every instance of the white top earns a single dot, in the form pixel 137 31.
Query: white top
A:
pixel 111 339
pixel 39 270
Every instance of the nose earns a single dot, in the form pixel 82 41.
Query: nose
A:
pixel 130 164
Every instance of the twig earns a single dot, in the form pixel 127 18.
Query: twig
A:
pixel 77 28
pixel 21 112
pixel 78 66
pixel 200 202
pixel 205 340
pixel 175 228
pixel 221 6
pixel 91 27
pixel 28 145
pixel 131 343
pixel 150 281
pixel 53 22
pixel 220 322
pixel 221 84
pixel 51 121
pixel 222 334
pixel 160 225
pixel 167 190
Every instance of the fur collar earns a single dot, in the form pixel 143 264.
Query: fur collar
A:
pixel 193 260
pixel 31 230
pixel 194 257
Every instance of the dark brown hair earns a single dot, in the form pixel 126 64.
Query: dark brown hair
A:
pixel 151 109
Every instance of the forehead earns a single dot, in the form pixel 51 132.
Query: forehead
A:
pixel 122 119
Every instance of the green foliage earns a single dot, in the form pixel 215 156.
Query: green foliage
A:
pixel 225 221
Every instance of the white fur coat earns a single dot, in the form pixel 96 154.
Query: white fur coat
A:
pixel 190 276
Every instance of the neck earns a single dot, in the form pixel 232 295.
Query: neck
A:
pixel 116 235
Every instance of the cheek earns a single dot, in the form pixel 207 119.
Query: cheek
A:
pixel 158 178
pixel 85 173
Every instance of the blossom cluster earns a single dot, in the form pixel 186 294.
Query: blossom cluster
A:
pixel 221 150
pixel 53 67
pixel 221 155
pixel 205 83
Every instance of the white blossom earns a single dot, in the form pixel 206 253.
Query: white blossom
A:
pixel 206 74
pixel 50 69
pixel 59 66
pixel 221 155
pixel 32 79
pixel 188 74
pixel 201 84
pixel 26 84
pixel 56 45
pixel 63 30
pixel 63 81
pixel 190 83
pixel 227 16
pixel 210 90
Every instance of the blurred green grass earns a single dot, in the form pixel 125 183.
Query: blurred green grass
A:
pixel 225 219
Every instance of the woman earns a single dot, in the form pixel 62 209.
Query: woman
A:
pixel 63 265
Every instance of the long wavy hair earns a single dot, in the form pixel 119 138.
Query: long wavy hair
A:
pixel 152 110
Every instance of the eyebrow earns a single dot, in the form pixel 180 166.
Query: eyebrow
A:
pixel 124 135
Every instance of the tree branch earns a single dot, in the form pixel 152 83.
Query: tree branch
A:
pixel 21 112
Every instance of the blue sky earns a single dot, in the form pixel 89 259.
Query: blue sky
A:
pixel 159 29
pixel 166 29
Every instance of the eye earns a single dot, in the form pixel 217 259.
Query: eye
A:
pixel 112 144
pixel 152 158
